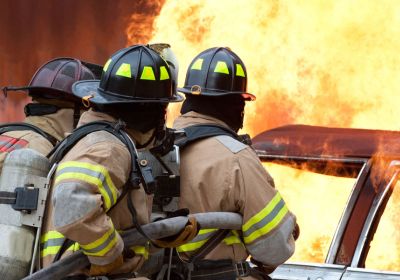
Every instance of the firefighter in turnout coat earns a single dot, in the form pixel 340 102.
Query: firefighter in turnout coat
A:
pixel 221 173
pixel 53 112
pixel 87 206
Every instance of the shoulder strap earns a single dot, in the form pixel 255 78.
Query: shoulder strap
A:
pixel 26 126
pixel 138 174
pixel 201 131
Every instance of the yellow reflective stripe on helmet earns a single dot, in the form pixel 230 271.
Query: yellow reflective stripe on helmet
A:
pixel 240 71
pixel 101 246
pixel 163 73
pixel 106 65
pixel 266 220
pixel 124 70
pixel 93 174
pixel 221 67
pixel 141 250
pixel 197 64
pixel 148 73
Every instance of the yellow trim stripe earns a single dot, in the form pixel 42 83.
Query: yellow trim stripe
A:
pixel 221 67
pixel 101 246
pixel 268 227
pixel 148 74
pixel 240 71
pixel 52 234
pixel 141 250
pixel 109 201
pixel 197 64
pixel 124 70
pixel 98 242
pixel 163 73
pixel 192 246
pixel 263 213
pixel 50 238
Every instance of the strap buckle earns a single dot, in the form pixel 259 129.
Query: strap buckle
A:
pixel 242 269
pixel 26 198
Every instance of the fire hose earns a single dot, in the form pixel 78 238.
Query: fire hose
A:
pixel 155 230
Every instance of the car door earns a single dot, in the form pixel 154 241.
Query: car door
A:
pixel 322 204
pixel 378 251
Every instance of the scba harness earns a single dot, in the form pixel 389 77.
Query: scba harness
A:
pixel 174 267
pixel 9 144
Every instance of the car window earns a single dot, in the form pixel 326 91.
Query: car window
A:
pixel 384 251
pixel 318 202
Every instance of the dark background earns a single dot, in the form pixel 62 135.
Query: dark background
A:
pixel 32 32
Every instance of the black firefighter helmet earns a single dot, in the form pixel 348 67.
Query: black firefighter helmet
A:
pixel 136 74
pixel 217 72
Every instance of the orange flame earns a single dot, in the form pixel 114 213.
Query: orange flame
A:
pixel 329 63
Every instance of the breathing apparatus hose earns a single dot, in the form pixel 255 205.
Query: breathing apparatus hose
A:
pixel 156 230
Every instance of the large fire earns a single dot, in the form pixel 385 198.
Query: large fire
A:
pixel 330 63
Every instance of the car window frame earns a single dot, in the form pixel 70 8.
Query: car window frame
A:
pixel 374 215
pixel 364 168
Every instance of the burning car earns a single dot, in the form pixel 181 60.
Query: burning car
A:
pixel 343 185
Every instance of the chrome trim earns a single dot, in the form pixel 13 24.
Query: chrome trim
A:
pixel 365 270
pixel 337 237
pixel 371 215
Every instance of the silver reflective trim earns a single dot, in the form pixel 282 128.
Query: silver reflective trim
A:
pixel 102 245
pixel 52 242
pixel 267 219
pixel 91 173
pixel 308 271
pixel 8 144
pixel 369 274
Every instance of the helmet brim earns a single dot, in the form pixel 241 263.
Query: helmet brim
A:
pixel 247 96
pixel 83 89
pixel 44 92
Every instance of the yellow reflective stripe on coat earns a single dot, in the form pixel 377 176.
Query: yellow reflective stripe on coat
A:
pixel 141 250
pixel 51 243
pixel 203 236
pixel 93 174
pixel 101 246
pixel 265 220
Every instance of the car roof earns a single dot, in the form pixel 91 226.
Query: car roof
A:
pixel 316 141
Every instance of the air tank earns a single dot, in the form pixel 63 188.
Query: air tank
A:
pixel 22 167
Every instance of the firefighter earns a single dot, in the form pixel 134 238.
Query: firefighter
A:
pixel 52 112
pixel 92 194
pixel 221 173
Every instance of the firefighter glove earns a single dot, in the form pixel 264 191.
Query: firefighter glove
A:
pixel 260 267
pixel 101 270
pixel 184 236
